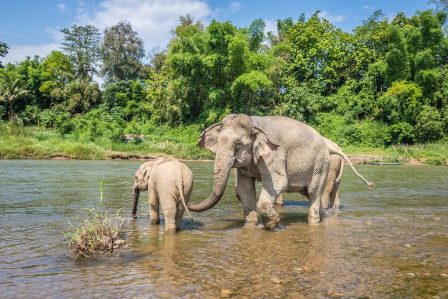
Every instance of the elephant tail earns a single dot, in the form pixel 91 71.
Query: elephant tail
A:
pixel 341 170
pixel 334 149
pixel 179 182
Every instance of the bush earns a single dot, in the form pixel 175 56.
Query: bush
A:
pixel 331 126
pixel 407 100
pixel 100 124
pixel 365 133
pixel 58 120
pixel 429 125
pixel 401 133
pixel 30 116
pixel 300 103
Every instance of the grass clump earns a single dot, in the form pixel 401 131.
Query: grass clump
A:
pixel 99 232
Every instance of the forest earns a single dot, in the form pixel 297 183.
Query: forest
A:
pixel 383 85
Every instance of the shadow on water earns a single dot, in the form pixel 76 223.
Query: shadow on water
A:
pixel 386 243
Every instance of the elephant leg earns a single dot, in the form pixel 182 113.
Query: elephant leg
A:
pixel 179 214
pixel 279 201
pixel 246 193
pixel 334 196
pixel 153 207
pixel 275 182
pixel 169 201
pixel 326 195
pixel 316 191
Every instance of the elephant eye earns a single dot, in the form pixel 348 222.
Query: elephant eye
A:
pixel 238 144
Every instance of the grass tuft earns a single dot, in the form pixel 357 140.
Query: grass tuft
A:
pixel 99 232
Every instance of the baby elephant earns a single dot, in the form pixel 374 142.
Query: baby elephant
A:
pixel 169 182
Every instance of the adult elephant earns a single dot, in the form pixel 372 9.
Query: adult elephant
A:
pixel 330 197
pixel 285 154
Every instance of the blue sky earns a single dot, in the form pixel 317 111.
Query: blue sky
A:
pixel 33 27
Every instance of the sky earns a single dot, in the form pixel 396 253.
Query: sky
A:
pixel 33 27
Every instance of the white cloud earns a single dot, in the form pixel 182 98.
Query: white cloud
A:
pixel 17 53
pixel 153 20
pixel 332 18
pixel 367 7
pixel 61 7
pixel 234 7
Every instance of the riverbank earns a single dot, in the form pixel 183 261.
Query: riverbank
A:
pixel 38 143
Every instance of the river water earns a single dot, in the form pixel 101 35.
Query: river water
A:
pixel 391 242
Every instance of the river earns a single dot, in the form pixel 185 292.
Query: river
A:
pixel 391 242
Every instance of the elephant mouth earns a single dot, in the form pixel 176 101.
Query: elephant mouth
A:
pixel 241 162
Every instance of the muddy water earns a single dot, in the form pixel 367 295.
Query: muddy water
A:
pixel 388 243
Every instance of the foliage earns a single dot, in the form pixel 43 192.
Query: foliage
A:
pixel 77 96
pixel 403 102
pixel 386 83
pixel 100 124
pixel 400 133
pixel 3 50
pixel 82 45
pixel 429 125
pixel 56 71
pixel 11 88
pixel 121 52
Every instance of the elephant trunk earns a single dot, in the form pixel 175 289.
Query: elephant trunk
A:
pixel 135 196
pixel 223 163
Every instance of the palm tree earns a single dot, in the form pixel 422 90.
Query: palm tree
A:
pixel 11 88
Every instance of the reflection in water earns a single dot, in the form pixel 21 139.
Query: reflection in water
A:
pixel 391 242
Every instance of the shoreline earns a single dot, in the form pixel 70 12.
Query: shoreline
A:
pixel 356 159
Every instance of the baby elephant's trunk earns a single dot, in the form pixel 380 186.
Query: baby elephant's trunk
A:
pixel 135 195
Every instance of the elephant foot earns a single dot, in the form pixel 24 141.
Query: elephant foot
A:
pixel 271 222
pixel 251 219
pixel 269 216
pixel 325 213
pixel 154 221
pixel 313 220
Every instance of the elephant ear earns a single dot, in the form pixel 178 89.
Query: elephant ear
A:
pixel 209 137
pixel 145 174
pixel 262 145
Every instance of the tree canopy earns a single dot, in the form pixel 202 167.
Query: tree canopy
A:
pixel 386 82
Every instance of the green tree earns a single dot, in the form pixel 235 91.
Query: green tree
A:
pixel 3 51
pixel 256 34
pixel 405 101
pixel 252 90
pixel 441 4
pixel 429 126
pixel 319 53
pixel 397 58
pixel 56 71
pixel 11 89
pixel 82 45
pixel 122 51
pixel 29 72
pixel 77 96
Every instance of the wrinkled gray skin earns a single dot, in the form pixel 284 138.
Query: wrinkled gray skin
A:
pixel 330 197
pixel 169 183
pixel 285 154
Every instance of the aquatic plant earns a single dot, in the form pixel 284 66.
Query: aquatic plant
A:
pixel 98 232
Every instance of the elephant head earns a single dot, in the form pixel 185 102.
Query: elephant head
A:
pixel 141 180
pixel 237 142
